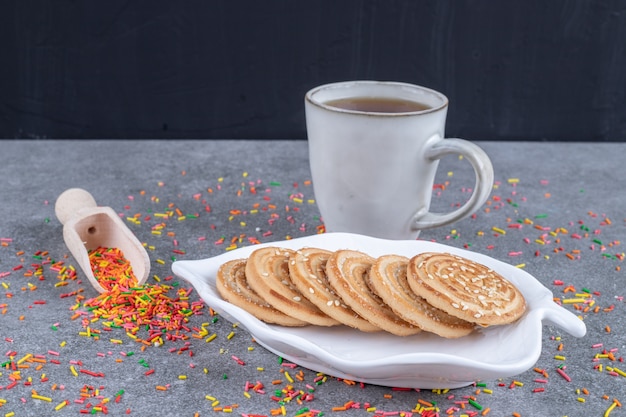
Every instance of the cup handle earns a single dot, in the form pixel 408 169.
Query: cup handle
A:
pixel 483 168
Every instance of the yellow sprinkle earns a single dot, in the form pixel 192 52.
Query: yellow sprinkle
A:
pixel 513 180
pixel 487 391
pixel 211 338
pixel 608 410
pixel 230 335
pixel 41 397
pixel 498 230
pixel 540 242
pixel 289 378
pixel 210 398
pixel 182 376
pixel 297 200
pixel 116 341
pixel 559 357
pixel 580 400
pixel 246 394
pixel 73 370
pixel 160 261
pixel 573 300
pixel 60 405
pixel 520 266
pixel 25 358
pixel 215 403
pixel 260 369
pixel 10 414
pixel 619 371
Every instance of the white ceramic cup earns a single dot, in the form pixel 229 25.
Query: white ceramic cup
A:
pixel 373 172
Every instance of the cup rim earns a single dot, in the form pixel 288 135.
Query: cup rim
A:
pixel 309 97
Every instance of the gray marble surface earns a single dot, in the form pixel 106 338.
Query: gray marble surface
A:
pixel 568 198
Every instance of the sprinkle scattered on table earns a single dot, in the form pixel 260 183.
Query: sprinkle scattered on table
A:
pixel 128 322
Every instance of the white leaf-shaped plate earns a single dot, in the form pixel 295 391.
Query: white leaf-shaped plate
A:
pixel 420 361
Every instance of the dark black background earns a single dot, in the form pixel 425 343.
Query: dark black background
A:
pixel 513 70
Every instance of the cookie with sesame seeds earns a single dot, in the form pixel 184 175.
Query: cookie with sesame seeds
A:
pixel 232 285
pixel 347 272
pixel 307 269
pixel 267 272
pixel 465 289
pixel 388 278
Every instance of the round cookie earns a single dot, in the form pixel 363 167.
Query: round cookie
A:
pixel 347 272
pixel 388 278
pixel 465 289
pixel 232 285
pixel 267 271
pixel 307 269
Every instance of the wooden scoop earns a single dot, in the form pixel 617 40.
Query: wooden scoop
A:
pixel 87 226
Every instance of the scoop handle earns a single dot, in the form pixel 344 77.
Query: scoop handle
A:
pixel 71 201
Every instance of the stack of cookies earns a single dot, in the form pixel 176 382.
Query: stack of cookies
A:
pixel 439 293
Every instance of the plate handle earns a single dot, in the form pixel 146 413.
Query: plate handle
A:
pixel 566 320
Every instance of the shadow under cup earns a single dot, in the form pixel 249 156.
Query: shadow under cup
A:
pixel 373 151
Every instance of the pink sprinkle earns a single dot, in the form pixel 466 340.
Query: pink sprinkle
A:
pixel 515 253
pixel 541 381
pixel 563 374
pixel 52 352
pixel 597 345
pixel 557 282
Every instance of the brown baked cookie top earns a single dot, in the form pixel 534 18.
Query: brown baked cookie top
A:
pixel 388 278
pixel 232 285
pixel 307 269
pixel 347 272
pixel 465 289
pixel 267 272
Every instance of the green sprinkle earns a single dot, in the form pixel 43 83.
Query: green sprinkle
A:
pixel 481 384
pixel 54 328
pixel 475 404
pixel 541 216
pixel 224 376
pixel 598 241
pixel 586 290
pixel 275 183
